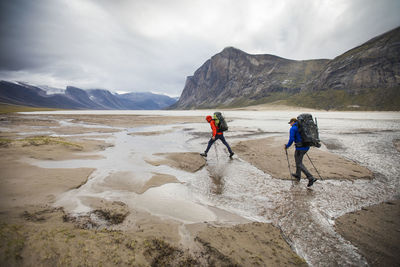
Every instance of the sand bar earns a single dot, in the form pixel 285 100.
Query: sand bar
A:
pixel 268 155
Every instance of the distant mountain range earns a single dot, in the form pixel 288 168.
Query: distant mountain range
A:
pixel 20 93
pixel 365 78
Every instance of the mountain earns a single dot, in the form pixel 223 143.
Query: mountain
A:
pixel 81 97
pixel 19 93
pixel 234 77
pixel 149 100
pixel 375 64
pixel 366 77
pixel 28 95
pixel 107 100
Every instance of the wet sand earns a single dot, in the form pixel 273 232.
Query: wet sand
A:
pixel 396 144
pixel 190 162
pixel 268 155
pixel 119 181
pixel 375 231
pixel 24 184
pixel 35 233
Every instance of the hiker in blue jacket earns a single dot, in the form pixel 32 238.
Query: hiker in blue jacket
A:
pixel 299 153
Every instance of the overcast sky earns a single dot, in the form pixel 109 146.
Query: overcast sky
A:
pixel 153 45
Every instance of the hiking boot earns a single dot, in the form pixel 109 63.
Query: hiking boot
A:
pixel 296 177
pixel 203 154
pixel 231 154
pixel 311 182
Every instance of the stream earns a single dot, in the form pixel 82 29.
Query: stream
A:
pixel 305 215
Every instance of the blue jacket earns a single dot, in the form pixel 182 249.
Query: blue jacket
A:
pixel 295 137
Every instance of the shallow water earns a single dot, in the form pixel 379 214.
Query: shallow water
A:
pixel 306 216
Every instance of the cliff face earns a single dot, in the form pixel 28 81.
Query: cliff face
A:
pixel 375 64
pixel 233 75
pixel 235 78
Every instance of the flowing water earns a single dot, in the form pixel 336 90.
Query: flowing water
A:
pixel 306 216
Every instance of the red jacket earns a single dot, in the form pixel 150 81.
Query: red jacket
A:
pixel 213 126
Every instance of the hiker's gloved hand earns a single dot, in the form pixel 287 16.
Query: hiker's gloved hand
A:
pixel 285 146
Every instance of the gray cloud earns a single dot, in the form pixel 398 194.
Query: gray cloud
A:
pixel 153 45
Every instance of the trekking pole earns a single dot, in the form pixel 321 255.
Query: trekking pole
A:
pixel 290 171
pixel 314 167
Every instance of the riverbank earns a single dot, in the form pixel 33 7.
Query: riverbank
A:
pixel 375 231
pixel 34 232
pixel 269 155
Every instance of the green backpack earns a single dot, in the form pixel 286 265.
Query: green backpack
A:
pixel 220 121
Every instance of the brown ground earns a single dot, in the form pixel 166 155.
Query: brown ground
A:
pixel 396 144
pixel 24 184
pixel 253 244
pixel 118 181
pixel 277 105
pixel 33 233
pixel 268 155
pixel 127 121
pixel 189 161
pixel 375 230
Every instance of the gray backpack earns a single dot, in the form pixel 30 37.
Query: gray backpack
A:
pixel 308 130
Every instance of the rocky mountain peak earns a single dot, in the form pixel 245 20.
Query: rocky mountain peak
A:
pixel 230 50
pixel 235 78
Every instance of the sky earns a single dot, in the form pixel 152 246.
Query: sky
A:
pixel 153 45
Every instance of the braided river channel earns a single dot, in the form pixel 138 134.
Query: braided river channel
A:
pixel 306 216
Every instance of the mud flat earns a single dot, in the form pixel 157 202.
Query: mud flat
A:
pixel 190 162
pixel 277 105
pixel 268 155
pixel 121 181
pixel 35 233
pixel 24 184
pixel 375 231
pixel 396 144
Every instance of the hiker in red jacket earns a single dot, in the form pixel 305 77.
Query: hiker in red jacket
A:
pixel 216 134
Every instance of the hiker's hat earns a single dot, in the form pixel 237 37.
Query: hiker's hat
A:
pixel 292 120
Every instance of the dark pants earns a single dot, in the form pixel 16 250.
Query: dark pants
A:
pixel 298 157
pixel 220 137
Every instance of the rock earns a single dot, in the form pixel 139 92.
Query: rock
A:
pixel 233 76
pixel 365 78
pixel 375 64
